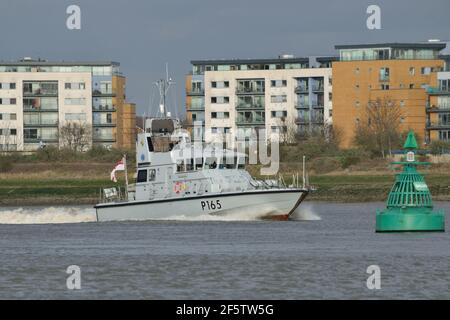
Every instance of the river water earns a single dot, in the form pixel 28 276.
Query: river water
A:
pixel 323 253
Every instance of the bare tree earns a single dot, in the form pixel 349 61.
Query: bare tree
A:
pixel 8 140
pixel 76 136
pixel 380 126
pixel 288 130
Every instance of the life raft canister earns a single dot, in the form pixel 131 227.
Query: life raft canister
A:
pixel 178 187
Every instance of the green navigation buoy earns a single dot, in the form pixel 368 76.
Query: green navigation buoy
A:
pixel 409 205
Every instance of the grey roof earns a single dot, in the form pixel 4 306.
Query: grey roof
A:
pixel 249 61
pixel 41 62
pixel 327 59
pixel 418 45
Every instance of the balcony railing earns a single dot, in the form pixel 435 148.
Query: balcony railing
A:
pixel 28 108
pixel 252 90
pixel 250 121
pixel 103 124
pixel 437 91
pixel 97 92
pixel 41 92
pixel 41 123
pixel 437 125
pixel 104 108
pixel 306 120
pixel 301 88
pixel 39 139
pixel 196 92
pixel 317 105
pixel 302 105
pixel 438 108
pixel 249 106
pixel 196 108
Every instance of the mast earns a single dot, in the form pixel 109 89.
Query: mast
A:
pixel 163 86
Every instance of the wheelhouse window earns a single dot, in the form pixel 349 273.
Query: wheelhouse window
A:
pixel 142 176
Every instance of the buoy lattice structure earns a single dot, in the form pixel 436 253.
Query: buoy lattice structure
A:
pixel 409 204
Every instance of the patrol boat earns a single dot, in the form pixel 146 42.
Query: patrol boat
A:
pixel 179 178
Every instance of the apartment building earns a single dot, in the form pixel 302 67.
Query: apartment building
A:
pixel 399 72
pixel 438 107
pixel 284 95
pixel 38 98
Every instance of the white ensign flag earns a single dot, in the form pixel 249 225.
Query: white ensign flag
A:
pixel 120 166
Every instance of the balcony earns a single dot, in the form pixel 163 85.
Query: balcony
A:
pixel 196 108
pixel 248 106
pixel 103 124
pixel 40 123
pixel 251 90
pixel 437 91
pixel 301 89
pixel 104 108
pixel 306 120
pixel 99 139
pixel 317 105
pixel 40 93
pixel 302 105
pixel 103 93
pixel 196 92
pixel 250 121
pixel 438 108
pixel 27 108
pixel 437 125
pixel 38 140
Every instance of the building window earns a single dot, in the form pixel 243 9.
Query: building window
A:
pixel 6 101
pixel 278 114
pixel 384 74
pixel 220 100
pixel 75 116
pixel 8 85
pixel 75 101
pixel 411 85
pixel 412 71
pixel 384 87
pixel 75 85
pixel 425 70
pixel 220 115
pixel 220 84
pixel 278 83
pixel 278 98
pixel 142 176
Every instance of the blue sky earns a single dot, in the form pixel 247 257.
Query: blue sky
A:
pixel 145 34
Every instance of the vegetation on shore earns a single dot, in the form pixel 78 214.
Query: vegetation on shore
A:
pixel 55 177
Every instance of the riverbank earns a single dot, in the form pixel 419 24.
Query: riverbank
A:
pixel 80 183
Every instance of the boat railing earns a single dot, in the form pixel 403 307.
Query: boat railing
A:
pixel 114 194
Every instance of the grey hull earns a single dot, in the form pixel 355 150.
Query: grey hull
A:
pixel 242 206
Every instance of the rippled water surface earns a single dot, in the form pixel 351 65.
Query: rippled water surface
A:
pixel 324 253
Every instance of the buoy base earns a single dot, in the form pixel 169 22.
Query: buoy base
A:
pixel 410 219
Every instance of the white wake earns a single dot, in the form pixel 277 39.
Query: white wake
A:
pixel 305 212
pixel 54 215
pixel 47 215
